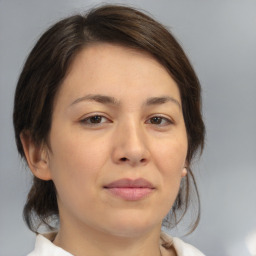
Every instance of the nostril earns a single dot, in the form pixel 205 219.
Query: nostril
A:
pixel 125 159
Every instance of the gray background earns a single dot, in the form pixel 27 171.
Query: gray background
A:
pixel 220 38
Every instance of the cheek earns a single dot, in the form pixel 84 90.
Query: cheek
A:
pixel 171 158
pixel 76 152
pixel 76 166
pixel 76 162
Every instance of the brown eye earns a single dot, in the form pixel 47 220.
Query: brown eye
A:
pixel 159 120
pixel 156 120
pixel 94 120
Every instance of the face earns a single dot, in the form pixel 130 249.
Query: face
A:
pixel 118 142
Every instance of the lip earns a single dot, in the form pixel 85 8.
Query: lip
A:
pixel 130 190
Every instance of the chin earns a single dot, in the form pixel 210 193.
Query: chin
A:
pixel 132 225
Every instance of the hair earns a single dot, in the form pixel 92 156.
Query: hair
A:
pixel 47 66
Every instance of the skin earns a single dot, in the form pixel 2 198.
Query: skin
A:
pixel 94 143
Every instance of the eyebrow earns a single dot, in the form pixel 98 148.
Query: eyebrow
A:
pixel 108 100
pixel 98 98
pixel 162 100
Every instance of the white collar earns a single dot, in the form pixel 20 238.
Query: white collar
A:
pixel 44 247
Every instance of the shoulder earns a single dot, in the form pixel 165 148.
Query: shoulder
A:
pixel 44 247
pixel 181 248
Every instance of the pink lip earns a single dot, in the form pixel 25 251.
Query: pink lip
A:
pixel 130 190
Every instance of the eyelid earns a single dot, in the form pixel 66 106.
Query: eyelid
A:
pixel 168 119
pixel 90 115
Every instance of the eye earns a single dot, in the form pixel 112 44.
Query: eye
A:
pixel 94 120
pixel 159 120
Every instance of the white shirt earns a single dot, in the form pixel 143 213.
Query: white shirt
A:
pixel 44 247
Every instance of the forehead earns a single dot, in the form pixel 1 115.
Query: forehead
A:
pixel 118 71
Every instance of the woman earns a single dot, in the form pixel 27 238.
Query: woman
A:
pixel 107 115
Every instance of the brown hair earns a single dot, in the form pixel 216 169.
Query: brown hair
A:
pixel 47 65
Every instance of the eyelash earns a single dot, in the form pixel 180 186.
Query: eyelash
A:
pixel 161 118
pixel 88 120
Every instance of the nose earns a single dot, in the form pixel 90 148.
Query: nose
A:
pixel 130 145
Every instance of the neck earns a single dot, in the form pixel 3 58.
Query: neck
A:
pixel 87 241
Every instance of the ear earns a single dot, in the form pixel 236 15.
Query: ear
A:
pixel 37 157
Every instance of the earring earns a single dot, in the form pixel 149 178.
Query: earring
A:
pixel 184 172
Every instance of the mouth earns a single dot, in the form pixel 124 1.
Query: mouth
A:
pixel 130 190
